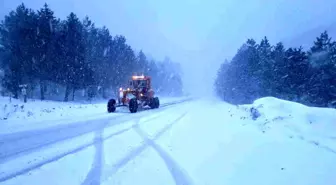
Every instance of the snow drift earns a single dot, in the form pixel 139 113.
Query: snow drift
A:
pixel 315 125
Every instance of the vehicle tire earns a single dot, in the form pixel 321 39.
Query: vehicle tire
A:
pixel 156 102
pixel 111 106
pixel 152 103
pixel 133 105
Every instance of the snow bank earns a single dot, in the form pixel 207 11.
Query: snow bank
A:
pixel 315 125
pixel 202 142
pixel 49 110
pixel 215 144
pixel 35 110
pixel 15 114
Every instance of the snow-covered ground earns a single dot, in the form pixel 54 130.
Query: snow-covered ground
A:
pixel 200 142
pixel 17 116
pixel 311 124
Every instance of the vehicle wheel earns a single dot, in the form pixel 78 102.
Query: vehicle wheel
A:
pixel 111 106
pixel 133 105
pixel 156 102
pixel 152 103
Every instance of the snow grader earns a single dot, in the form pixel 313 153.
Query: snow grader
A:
pixel 138 94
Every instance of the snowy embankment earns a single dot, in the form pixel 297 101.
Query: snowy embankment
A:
pixel 193 143
pixel 15 114
pixel 311 124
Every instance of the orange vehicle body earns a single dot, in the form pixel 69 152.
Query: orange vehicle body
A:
pixel 139 87
pixel 138 93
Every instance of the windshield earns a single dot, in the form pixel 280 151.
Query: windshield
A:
pixel 139 83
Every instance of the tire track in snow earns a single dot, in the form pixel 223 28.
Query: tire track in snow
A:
pixel 19 144
pixel 96 141
pixel 93 177
pixel 4 176
pixel 178 175
pixel 23 135
pixel 27 169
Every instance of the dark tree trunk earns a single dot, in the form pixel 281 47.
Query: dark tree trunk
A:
pixel 104 93
pixel 16 95
pixel 67 92
pixel 42 89
pixel 73 94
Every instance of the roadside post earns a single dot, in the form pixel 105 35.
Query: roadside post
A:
pixel 24 92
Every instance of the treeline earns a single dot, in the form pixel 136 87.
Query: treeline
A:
pixel 52 57
pixel 259 70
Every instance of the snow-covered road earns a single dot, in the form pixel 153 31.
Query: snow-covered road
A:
pixel 195 142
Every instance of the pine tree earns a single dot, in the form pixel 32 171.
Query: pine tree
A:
pixel 279 72
pixel 322 56
pixel 38 48
pixel 297 66
pixel 266 66
pixel 90 35
pixel 105 66
pixel 319 52
pixel 18 38
pixel 73 65
pixel 46 38
pixel 142 63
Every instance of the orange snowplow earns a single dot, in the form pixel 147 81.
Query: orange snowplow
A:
pixel 138 94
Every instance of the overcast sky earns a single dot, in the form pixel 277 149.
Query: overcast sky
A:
pixel 198 33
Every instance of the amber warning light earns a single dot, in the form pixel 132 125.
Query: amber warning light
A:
pixel 138 77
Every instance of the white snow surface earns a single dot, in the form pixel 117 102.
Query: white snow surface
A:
pixel 15 115
pixel 199 142
pixel 315 125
